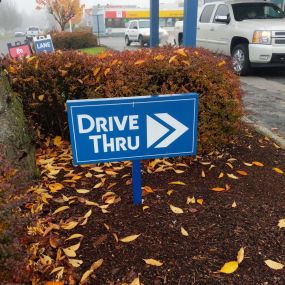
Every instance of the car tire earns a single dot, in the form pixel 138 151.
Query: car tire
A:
pixel 180 39
pixel 141 42
pixel 240 59
pixel 127 41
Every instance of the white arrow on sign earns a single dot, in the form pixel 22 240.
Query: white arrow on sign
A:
pixel 156 130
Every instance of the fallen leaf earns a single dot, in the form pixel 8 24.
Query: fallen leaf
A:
pixel 203 174
pixel 74 236
pixel 96 264
pixel 54 187
pixel 281 223
pixel 177 183
pixel 153 262
pixel 229 165
pixel 57 141
pixel 200 201
pixel 176 210
pixel 184 232
pixel 257 163
pixel 234 205
pixel 191 200
pixel 145 208
pixel 69 226
pixel 129 238
pixel 240 255
pixel 75 262
pixel 139 62
pixel 82 191
pixel 60 209
pixel 229 267
pixel 169 192
pixel 247 164
pixel 218 189
pixel 278 170
pixel 274 265
pixel 221 175
pixel 232 176
pixel 85 276
pixel 241 172
pixel 136 281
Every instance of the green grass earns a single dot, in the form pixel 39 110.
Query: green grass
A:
pixel 93 50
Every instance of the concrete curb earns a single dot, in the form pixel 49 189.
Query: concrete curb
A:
pixel 266 132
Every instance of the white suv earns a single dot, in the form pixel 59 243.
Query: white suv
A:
pixel 252 32
pixel 139 31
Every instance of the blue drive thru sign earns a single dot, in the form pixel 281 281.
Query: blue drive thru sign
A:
pixel 43 44
pixel 133 128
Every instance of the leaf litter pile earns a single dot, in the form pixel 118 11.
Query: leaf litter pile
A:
pixel 215 219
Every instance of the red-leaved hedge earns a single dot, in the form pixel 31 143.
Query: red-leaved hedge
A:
pixel 46 81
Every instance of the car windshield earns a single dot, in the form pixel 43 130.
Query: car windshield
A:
pixel 251 11
pixel 33 29
pixel 144 24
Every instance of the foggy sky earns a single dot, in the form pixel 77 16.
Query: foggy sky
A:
pixel 28 5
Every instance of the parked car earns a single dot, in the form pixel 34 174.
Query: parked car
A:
pixel 252 32
pixel 33 31
pixel 19 34
pixel 139 31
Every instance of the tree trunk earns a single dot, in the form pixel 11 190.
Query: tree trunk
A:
pixel 15 136
pixel 62 26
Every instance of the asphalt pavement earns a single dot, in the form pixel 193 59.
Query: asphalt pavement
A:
pixel 264 90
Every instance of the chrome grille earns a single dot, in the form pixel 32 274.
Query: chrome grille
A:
pixel 278 37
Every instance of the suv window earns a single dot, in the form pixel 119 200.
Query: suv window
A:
pixel 223 10
pixel 207 13
pixel 33 29
pixel 133 25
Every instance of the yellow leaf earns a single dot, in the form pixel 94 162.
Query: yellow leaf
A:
pixel 136 281
pixel 85 276
pixel 54 187
pixel 221 175
pixel 70 225
pixel 75 262
pixel 57 141
pixel 176 210
pixel 278 170
pixel 257 163
pixel 41 97
pixel 247 164
pixel 221 63
pixel 129 238
pixel 234 205
pixel 153 262
pixel 241 172
pixel 229 165
pixel 218 189
pixel 74 236
pixel 69 252
pixel 191 200
pixel 232 176
pixel 240 255
pixel 88 214
pixel 96 264
pixel 177 183
pixel 203 174
pixel 170 192
pixel 60 209
pixel 107 70
pixel 200 201
pixel 82 191
pixel 138 62
pixel 148 189
pixel 229 267
pixel 281 223
pixel 159 57
pixel 274 265
pixel 173 59
pixel 60 268
pixel 182 52
pixel 178 171
pixel 145 208
pixel 96 71
pixel 184 232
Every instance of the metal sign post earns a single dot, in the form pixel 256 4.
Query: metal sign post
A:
pixel 133 128
pixel 154 23
pixel 190 23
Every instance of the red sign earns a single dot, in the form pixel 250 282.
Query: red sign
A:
pixel 115 14
pixel 20 51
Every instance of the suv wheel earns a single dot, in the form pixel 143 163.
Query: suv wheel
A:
pixel 127 41
pixel 240 59
pixel 141 42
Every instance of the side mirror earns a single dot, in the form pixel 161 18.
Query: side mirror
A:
pixel 222 19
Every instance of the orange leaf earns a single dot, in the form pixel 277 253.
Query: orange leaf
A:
pixel 138 62
pixel 257 163
pixel 241 172
pixel 218 189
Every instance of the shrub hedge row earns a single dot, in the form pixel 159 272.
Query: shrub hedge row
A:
pixel 74 40
pixel 45 83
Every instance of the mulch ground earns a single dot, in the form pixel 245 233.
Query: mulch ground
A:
pixel 230 200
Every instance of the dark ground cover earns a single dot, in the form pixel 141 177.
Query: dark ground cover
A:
pixel 245 214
